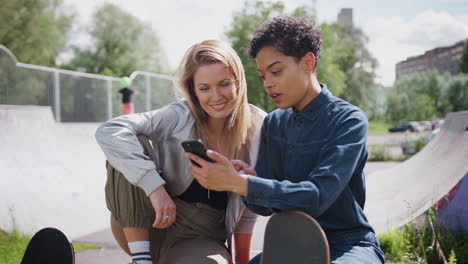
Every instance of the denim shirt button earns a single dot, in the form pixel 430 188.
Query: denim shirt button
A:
pixel 300 124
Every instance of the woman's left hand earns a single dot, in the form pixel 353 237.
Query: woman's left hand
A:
pixel 219 176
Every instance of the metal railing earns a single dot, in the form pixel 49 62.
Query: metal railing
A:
pixel 77 96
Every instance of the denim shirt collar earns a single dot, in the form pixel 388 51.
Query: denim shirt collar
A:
pixel 311 110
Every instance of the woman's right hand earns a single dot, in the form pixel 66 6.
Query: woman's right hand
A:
pixel 164 208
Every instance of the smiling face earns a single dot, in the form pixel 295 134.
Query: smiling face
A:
pixel 215 88
pixel 286 81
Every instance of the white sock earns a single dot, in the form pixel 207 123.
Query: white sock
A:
pixel 140 252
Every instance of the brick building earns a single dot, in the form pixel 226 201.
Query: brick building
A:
pixel 442 59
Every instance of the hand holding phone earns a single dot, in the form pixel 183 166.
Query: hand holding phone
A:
pixel 196 147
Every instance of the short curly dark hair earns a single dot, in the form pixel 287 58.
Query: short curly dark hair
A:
pixel 291 36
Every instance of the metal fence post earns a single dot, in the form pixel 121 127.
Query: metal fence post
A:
pixel 57 104
pixel 148 93
pixel 109 100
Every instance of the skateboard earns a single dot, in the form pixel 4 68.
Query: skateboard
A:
pixel 51 246
pixel 294 237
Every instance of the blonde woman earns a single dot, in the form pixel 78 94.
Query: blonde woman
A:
pixel 159 212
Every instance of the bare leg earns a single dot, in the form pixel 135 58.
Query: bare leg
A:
pixel 124 235
pixel 136 234
pixel 119 235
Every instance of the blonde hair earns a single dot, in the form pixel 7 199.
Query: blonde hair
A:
pixel 239 122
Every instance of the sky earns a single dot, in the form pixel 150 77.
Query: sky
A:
pixel 396 29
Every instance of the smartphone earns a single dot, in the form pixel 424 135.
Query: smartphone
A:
pixel 196 147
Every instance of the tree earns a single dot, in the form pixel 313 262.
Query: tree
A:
pixel 241 31
pixel 377 104
pixel 242 28
pixel 409 106
pixel 333 52
pixel 464 59
pixel 121 44
pixel 359 67
pixel 424 96
pixel 458 93
pixel 346 65
pixel 35 31
pixel 436 86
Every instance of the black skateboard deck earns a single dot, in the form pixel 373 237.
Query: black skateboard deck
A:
pixel 49 246
pixel 296 238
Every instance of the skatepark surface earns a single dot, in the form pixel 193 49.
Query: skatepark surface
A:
pixel 398 195
pixel 53 175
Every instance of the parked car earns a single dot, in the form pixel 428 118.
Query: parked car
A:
pixel 406 126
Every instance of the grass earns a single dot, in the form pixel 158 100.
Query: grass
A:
pixel 13 245
pixel 394 244
pixel 378 127
pixel 427 245
pixel 78 247
pixel 382 153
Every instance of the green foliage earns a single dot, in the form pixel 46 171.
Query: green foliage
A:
pixel 412 147
pixel 78 247
pixel 240 32
pixel 379 153
pixel 22 86
pixel 333 52
pixel 359 66
pixel 452 258
pixel 382 153
pixel 12 247
pixel 378 127
pixel 464 60
pixel 411 106
pixel 121 44
pixel 394 244
pixel 346 65
pixel 425 96
pixel 35 31
pixel 92 93
pixel 416 98
pixel 26 90
pixel 457 95
pixel 428 244
pixel 254 13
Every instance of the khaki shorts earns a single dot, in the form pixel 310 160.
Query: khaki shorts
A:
pixel 198 234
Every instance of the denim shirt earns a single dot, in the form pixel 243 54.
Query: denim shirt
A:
pixel 312 160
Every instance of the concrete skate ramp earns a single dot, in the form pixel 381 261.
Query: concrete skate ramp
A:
pixel 398 195
pixel 51 174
